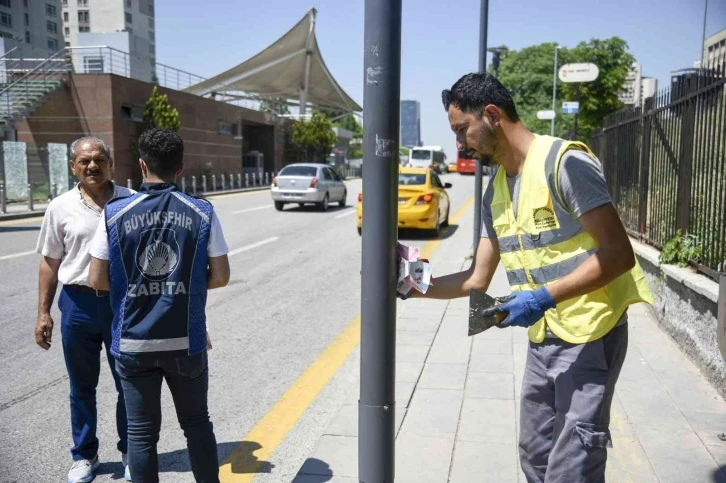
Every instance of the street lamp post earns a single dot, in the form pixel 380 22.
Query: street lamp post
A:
pixel 554 93
pixel 381 124
pixel 483 23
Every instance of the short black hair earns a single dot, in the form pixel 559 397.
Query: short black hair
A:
pixel 162 150
pixel 474 91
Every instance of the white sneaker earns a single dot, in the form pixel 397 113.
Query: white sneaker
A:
pixel 82 470
pixel 125 462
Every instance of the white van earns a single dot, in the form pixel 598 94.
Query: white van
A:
pixel 427 157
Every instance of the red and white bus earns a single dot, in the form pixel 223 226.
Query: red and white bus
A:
pixel 465 164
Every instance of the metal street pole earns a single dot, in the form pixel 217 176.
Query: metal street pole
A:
pixel 554 94
pixel 483 23
pixel 577 99
pixel 381 121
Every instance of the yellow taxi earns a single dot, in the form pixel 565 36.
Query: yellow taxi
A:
pixel 423 203
pixel 451 168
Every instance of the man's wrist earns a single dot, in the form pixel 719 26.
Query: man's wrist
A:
pixel 544 298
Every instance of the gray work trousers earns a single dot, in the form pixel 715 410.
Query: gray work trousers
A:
pixel 567 392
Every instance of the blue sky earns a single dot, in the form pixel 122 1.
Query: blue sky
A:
pixel 439 40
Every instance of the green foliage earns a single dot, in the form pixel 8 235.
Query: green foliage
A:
pixel 680 250
pixel 349 122
pixel 313 138
pixel 529 73
pixel 158 112
pixel 404 151
pixel 275 105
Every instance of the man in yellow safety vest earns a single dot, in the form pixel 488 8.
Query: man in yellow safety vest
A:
pixel 547 215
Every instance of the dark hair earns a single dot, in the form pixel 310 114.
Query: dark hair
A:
pixel 162 150
pixel 474 91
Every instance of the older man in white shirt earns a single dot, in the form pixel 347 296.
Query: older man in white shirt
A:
pixel 65 238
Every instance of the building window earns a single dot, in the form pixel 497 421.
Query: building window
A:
pixel 27 20
pixel 151 8
pixel 129 19
pixel 128 3
pixel 6 3
pixel 84 30
pixel 93 65
pixel 52 44
pixel 65 16
pixel 68 44
pixel 65 3
pixel 52 27
pixel 6 19
pixel 27 36
pixel 152 49
pixel 152 35
pixel 151 23
pixel 66 31
pixel 131 112
pixel 224 127
pixel 50 10
pixel 82 3
pixel 84 16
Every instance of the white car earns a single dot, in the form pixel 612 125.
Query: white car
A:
pixel 308 183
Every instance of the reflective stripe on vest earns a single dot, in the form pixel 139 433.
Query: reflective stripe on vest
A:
pixel 544 242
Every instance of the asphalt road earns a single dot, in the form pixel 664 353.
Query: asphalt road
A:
pixel 295 286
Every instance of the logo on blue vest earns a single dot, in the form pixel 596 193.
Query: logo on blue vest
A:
pixel 158 253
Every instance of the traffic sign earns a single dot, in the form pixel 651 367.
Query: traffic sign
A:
pixel 570 107
pixel 571 73
pixel 546 115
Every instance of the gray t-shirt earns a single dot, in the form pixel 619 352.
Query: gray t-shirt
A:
pixel 582 184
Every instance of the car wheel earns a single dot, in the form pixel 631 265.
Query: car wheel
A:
pixel 343 200
pixel 279 205
pixel 324 205
pixel 446 221
pixel 436 232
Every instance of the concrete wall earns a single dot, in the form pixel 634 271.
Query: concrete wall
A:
pixel 92 104
pixel 686 306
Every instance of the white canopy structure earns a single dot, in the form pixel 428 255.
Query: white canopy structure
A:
pixel 290 68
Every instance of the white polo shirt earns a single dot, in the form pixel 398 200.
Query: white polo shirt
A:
pixel 68 228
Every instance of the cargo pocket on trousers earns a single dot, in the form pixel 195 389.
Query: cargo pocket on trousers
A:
pixel 587 453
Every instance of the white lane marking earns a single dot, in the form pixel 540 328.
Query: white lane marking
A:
pixel 17 255
pixel 251 209
pixel 349 212
pixel 250 247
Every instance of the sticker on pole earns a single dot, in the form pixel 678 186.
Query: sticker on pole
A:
pixel 570 107
pixel 573 73
pixel 546 115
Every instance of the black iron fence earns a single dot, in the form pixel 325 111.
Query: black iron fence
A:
pixel 665 163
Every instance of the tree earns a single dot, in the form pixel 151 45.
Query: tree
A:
pixel 313 138
pixel 159 112
pixel 349 122
pixel 528 74
pixel 275 105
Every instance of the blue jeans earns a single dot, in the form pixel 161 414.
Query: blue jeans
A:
pixel 188 381
pixel 85 327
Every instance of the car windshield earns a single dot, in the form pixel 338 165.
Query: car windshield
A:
pixel 299 171
pixel 411 179
pixel 421 154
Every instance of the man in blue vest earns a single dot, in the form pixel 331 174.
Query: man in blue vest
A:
pixel 158 252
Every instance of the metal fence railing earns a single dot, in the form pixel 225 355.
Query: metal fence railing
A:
pixel 665 163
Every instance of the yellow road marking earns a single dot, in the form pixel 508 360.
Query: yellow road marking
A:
pixel 242 465
pixel 22 221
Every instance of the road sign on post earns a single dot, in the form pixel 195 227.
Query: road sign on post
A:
pixel 570 107
pixel 381 122
pixel 546 115
pixel 576 73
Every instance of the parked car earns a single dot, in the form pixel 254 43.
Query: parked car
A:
pixel 308 183
pixel 423 203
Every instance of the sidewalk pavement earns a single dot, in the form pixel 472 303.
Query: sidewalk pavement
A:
pixel 457 397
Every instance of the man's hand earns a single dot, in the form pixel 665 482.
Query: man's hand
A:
pixel 523 308
pixel 44 330
pixel 209 342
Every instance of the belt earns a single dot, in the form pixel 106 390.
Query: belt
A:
pixel 87 289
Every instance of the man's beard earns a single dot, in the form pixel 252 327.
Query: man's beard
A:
pixel 490 159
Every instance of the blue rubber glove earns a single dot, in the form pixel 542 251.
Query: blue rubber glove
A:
pixel 524 308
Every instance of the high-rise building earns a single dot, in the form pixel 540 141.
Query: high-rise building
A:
pixel 410 124
pixel 133 19
pixel 714 49
pixel 34 27
pixel 630 94
pixel 648 88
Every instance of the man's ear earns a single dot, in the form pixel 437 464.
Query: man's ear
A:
pixel 493 113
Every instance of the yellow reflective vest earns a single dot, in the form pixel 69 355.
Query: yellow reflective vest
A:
pixel 545 242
